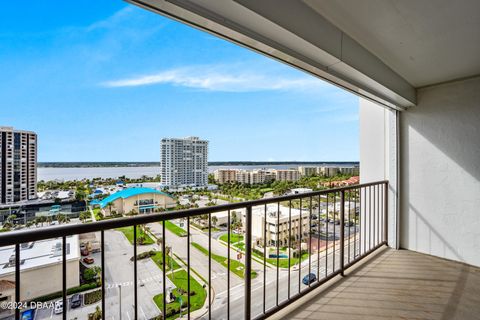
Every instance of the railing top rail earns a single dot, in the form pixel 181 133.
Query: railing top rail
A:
pixel 22 236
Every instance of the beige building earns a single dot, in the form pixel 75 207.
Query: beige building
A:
pixel 225 175
pixel 287 175
pixel 242 176
pixel 353 171
pixel 308 171
pixel 139 200
pixel 254 176
pixel 278 224
pixel 41 268
pixel 329 171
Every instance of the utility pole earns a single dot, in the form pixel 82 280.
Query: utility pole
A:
pixel 120 288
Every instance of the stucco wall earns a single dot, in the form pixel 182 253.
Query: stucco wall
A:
pixel 46 280
pixel 440 172
pixel 126 205
pixel 378 159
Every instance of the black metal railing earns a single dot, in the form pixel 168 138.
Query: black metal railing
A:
pixel 343 225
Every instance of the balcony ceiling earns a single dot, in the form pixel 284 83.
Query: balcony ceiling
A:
pixel 379 49
pixel 425 42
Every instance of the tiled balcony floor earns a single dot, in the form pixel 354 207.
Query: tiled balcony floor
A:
pixel 395 284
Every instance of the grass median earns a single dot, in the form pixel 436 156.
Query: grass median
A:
pixel 197 295
pixel 172 227
pixel 158 259
pixel 128 232
pixel 282 262
pixel 233 237
pixel 235 266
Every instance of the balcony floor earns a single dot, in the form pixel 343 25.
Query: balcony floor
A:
pixel 395 284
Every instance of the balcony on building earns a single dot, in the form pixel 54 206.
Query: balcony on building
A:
pixel 415 66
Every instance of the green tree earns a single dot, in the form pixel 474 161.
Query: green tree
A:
pixel 84 216
pixel 91 274
pixel 97 315
pixel 62 218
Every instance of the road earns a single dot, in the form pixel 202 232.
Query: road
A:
pixel 199 262
pixel 119 271
pixel 237 294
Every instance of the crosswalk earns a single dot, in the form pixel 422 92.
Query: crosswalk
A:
pixel 130 283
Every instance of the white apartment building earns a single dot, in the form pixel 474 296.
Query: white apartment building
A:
pixel 329 171
pixel 354 171
pixel 250 177
pixel 184 162
pixel 287 175
pixel 242 176
pixel 18 165
pixel 308 171
pixel 278 225
pixel 222 176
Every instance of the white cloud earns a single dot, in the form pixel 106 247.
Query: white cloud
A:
pixel 232 78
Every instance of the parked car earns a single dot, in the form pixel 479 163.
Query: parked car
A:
pixel 88 260
pixel 76 301
pixel 58 308
pixel 309 278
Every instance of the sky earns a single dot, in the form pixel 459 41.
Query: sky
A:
pixel 106 80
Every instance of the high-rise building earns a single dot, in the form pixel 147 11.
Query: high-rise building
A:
pixel 184 162
pixel 18 165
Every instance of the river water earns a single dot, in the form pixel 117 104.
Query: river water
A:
pixel 65 174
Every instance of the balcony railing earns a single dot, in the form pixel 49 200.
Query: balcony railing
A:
pixel 345 225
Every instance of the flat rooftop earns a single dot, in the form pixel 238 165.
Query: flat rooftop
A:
pixel 39 254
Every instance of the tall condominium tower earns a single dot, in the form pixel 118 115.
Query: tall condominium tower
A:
pixel 184 162
pixel 18 165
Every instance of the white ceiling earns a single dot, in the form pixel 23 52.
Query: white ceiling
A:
pixel 424 41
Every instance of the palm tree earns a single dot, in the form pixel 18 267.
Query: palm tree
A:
pixel 9 222
pixel 97 315
pixel 109 205
pixel 84 216
pixel 214 221
pixel 160 243
pixel 61 218
pixel 7 225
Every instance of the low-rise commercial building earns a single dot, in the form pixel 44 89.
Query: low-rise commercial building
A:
pixel 139 200
pixel 40 268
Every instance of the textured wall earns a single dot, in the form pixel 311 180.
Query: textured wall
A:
pixel 440 172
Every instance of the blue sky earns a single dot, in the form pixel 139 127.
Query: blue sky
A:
pixel 105 81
